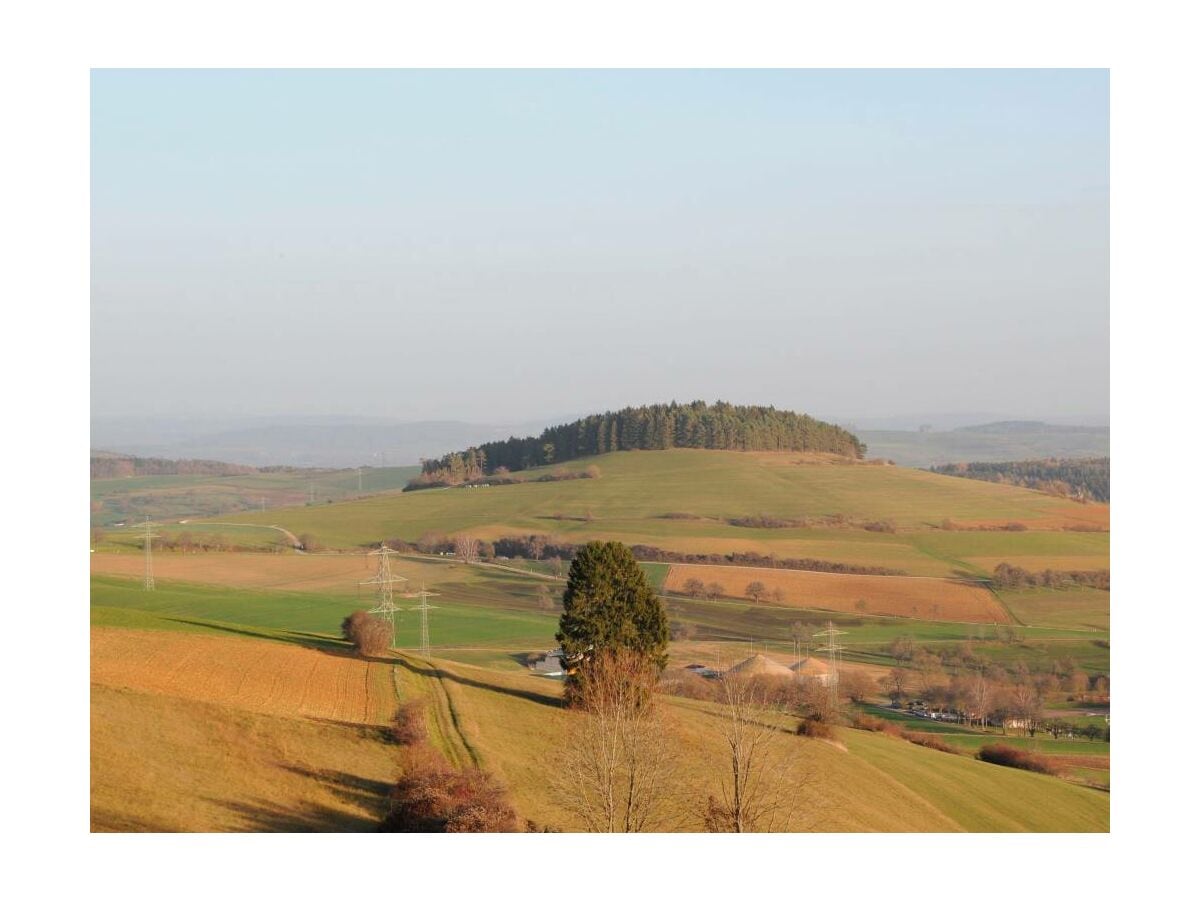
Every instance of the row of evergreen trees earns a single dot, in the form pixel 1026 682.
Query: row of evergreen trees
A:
pixel 719 426
pixel 1083 479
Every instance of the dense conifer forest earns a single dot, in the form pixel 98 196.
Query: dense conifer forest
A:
pixel 698 425
pixel 1082 479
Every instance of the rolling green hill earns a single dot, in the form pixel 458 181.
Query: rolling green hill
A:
pixel 683 500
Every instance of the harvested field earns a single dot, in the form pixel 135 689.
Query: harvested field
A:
pixel 257 676
pixel 167 764
pixel 279 571
pixel 934 599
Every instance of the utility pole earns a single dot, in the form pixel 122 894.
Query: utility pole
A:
pixel 147 543
pixel 424 609
pixel 383 581
pixel 360 479
pixel 832 647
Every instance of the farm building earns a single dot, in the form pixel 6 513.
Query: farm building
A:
pixel 551 664
pixel 812 669
pixel 702 670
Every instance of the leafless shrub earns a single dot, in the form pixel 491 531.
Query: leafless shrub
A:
pixel 408 726
pixel 765 778
pixel 369 635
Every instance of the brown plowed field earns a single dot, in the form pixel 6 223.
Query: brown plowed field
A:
pixel 259 676
pixel 935 599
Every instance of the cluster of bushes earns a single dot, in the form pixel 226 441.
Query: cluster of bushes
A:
pixel 408 725
pixel 432 797
pixel 834 521
pixel 865 722
pixel 1007 577
pixel 646 553
pixel 369 634
pixel 187 542
pixel 1078 479
pixel 1006 755
pixel 814 727
pixel 544 546
pixel 951 525
pixel 446 476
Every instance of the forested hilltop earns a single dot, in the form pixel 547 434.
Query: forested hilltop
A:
pixel 1082 479
pixel 697 425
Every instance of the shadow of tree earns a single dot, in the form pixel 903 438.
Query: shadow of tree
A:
pixel 366 797
pixel 435 672
pixel 301 638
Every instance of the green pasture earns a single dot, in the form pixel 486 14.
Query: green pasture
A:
pixel 1071 608
pixel 639 490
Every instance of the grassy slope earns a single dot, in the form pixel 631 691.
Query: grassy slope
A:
pixel 168 764
pixel 638 488
pixel 510 724
pixel 507 723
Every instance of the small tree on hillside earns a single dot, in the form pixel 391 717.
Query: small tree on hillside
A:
pixel 608 606
pixel 756 591
pixel 714 590
pixel 694 587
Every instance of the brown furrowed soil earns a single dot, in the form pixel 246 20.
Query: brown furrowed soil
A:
pixel 257 676
pixel 935 599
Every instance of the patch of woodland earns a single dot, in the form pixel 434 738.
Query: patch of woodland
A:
pixel 1076 479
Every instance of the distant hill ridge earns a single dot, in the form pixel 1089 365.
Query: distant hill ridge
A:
pixel 697 425
pixel 116 465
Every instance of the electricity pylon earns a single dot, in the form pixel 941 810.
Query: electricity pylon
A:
pixel 832 647
pixel 383 581
pixel 424 609
pixel 147 543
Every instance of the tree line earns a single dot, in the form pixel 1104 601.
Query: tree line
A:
pixel 1013 578
pixel 547 547
pixel 698 425
pixel 1079 479
pixel 128 466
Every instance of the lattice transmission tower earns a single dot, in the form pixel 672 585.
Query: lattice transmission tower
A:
pixel 424 609
pixel 383 580
pixel 148 544
pixel 833 648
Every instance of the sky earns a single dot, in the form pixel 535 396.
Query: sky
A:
pixel 503 245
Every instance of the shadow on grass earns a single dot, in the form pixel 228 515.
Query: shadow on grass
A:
pixel 434 672
pixel 301 638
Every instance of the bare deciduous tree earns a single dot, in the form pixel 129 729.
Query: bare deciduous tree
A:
pixel 694 587
pixel 617 766
pixel 766 777
pixel 756 591
pixel 466 548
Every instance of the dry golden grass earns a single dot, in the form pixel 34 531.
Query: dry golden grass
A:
pixel 162 763
pixel 257 676
pixel 279 571
pixel 934 599
pixel 513 725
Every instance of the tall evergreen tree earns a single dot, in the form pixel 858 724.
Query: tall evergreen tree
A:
pixel 609 606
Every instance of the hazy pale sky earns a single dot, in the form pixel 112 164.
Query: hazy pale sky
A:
pixel 496 245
